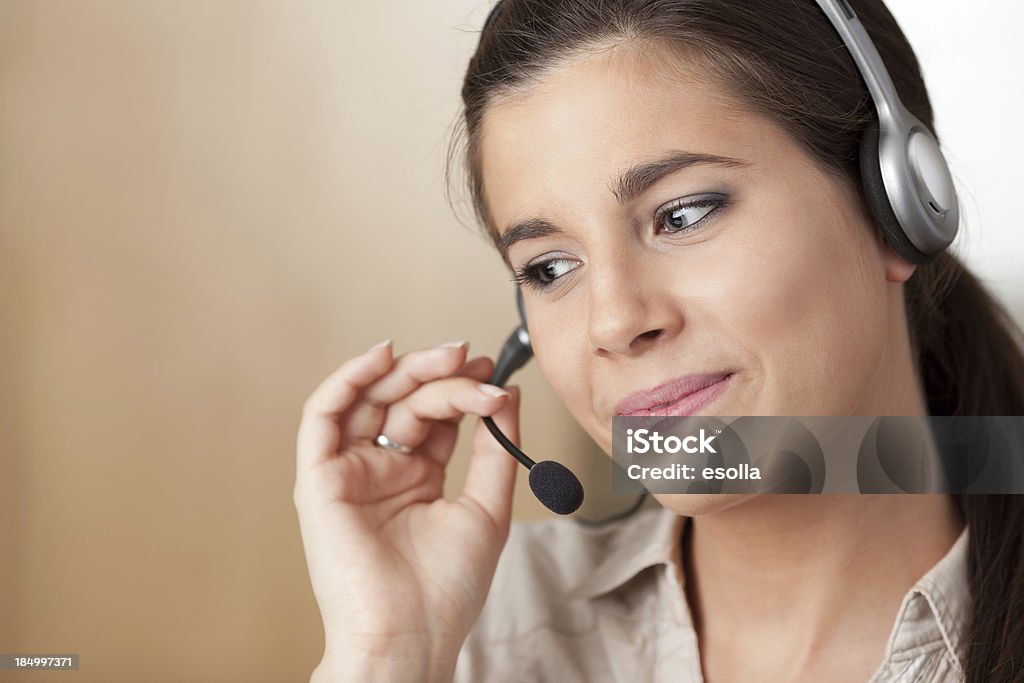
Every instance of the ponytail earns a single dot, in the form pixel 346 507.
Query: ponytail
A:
pixel 970 357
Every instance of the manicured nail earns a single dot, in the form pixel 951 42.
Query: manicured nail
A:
pixel 492 390
pixel 381 345
pixel 453 345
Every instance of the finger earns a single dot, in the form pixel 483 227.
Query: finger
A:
pixel 440 442
pixel 479 368
pixel 492 470
pixel 318 433
pixel 409 421
pixel 414 369
pixel 340 388
pixel 365 419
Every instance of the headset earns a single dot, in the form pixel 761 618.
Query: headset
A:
pixel 908 188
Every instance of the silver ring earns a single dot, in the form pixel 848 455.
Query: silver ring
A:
pixel 385 442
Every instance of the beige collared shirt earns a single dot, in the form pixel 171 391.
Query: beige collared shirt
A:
pixel 574 603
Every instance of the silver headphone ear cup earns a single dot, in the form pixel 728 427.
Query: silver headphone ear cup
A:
pixel 878 200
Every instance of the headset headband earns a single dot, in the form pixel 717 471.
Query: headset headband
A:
pixel 908 184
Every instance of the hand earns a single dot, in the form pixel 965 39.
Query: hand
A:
pixel 399 573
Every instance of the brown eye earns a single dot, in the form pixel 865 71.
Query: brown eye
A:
pixel 542 274
pixel 549 271
pixel 682 215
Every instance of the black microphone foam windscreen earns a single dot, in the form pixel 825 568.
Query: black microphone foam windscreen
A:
pixel 556 487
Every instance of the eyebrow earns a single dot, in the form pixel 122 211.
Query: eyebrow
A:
pixel 631 184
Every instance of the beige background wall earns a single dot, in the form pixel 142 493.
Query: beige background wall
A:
pixel 204 208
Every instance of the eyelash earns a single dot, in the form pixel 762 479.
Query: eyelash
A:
pixel 529 275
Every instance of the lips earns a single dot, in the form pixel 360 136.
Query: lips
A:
pixel 681 396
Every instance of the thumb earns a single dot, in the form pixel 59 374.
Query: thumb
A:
pixel 491 477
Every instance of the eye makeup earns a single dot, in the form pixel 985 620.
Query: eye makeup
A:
pixel 685 215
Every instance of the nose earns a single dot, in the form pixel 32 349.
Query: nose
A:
pixel 630 307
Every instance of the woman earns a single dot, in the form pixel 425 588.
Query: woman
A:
pixel 762 266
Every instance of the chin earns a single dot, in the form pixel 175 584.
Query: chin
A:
pixel 697 504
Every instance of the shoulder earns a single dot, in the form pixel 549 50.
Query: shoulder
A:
pixel 548 568
pixel 561 594
pixel 527 597
pixel 541 564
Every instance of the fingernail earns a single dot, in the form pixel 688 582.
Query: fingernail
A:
pixel 492 390
pixel 381 345
pixel 452 344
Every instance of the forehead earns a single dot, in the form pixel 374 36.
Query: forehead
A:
pixel 596 114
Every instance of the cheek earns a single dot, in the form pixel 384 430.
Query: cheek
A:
pixel 563 360
pixel 808 311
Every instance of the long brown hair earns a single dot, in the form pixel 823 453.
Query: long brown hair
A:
pixel 967 349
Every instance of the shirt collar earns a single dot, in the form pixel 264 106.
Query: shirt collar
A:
pixel 936 609
pixel 644 539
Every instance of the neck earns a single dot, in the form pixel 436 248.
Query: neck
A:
pixel 800 576
pixel 813 583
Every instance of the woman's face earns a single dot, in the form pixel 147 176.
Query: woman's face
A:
pixel 772 279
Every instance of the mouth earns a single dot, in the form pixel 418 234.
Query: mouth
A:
pixel 682 397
